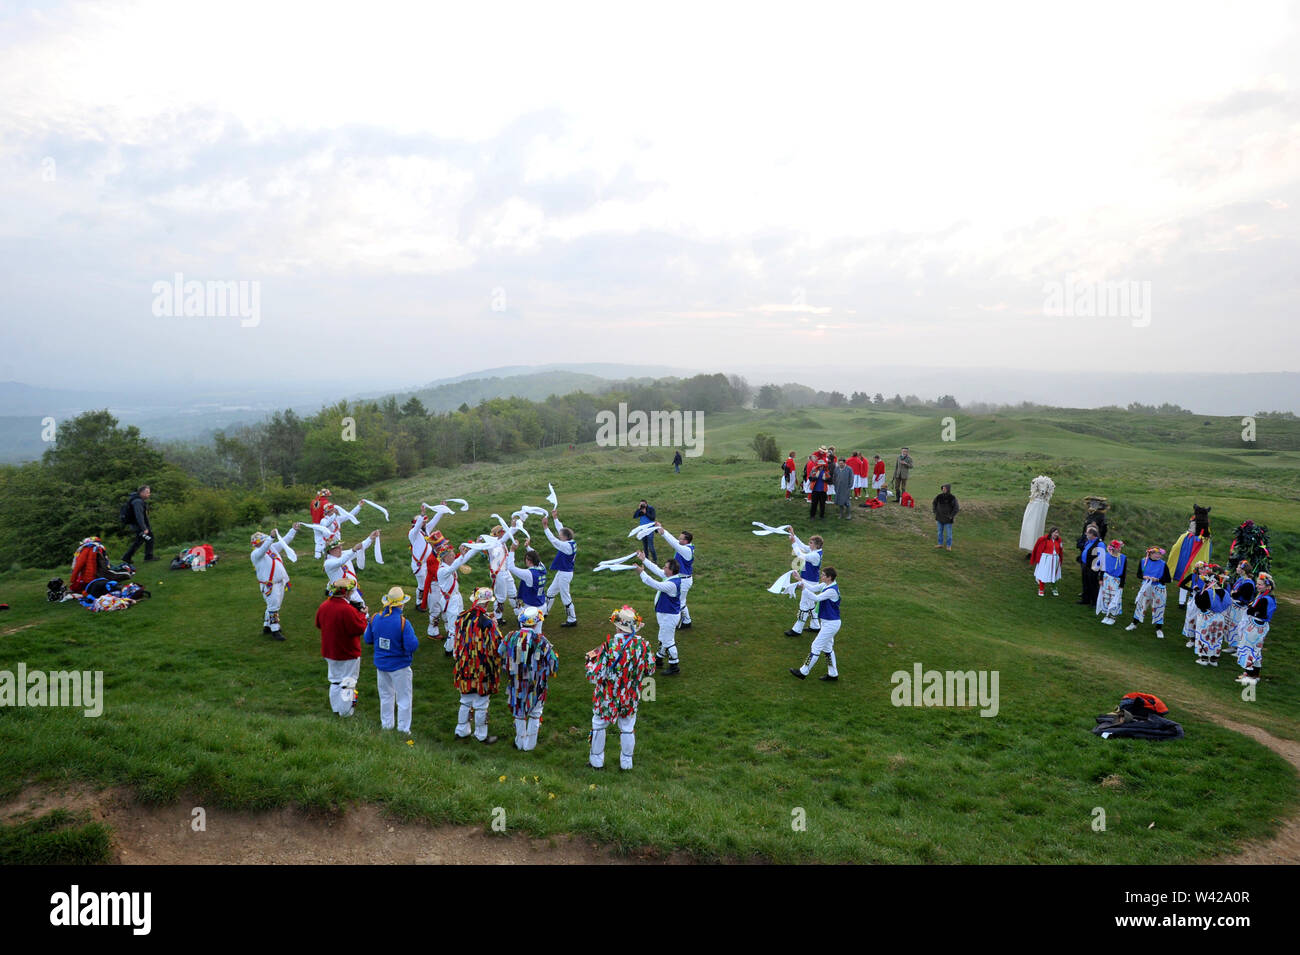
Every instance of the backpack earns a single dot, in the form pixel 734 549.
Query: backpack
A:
pixel 126 513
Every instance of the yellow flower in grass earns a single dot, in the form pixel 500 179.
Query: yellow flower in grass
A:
pixel 550 795
pixel 501 779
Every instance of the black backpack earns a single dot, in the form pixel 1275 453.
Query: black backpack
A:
pixel 126 514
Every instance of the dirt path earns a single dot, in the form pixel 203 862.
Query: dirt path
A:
pixel 1284 848
pixel 164 835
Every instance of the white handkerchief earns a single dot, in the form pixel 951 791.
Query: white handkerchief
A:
pixel 616 560
pixel 381 510
pixel 616 567
pixel 551 497
pixel 348 514
pixel 530 509
pixel 321 528
pixel 361 560
pixel 501 520
pixel 379 554
pixel 464 504
pixel 782 585
pixel 765 530
pixel 641 531
pixel 438 508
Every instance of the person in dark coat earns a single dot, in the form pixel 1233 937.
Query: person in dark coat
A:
pixel 1089 546
pixel 818 478
pixel 844 491
pixel 138 511
pixel 677 462
pixel 945 508
pixel 645 514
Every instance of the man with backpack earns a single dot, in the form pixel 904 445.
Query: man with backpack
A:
pixel 135 515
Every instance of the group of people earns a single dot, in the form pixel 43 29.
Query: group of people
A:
pixel 483 654
pixel 1223 608
pixel 825 476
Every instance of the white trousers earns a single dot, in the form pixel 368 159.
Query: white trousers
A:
pixel 560 588
pixel 504 590
pixel 668 635
pixel 686 589
pixel 808 611
pixel 477 704
pixel 823 644
pixel 420 576
pixel 447 610
pixel 274 601
pixel 395 692
pixel 627 740
pixel 343 684
pixel 526 728
pixel 1110 598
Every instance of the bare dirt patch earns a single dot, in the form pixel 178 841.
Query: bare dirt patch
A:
pixel 1284 848
pixel 163 835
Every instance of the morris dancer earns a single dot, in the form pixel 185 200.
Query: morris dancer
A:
pixel 272 575
pixel 566 549
pixel 341 624
pixel 1113 566
pixel 532 578
pixel 810 557
pixel 527 662
pixel 338 564
pixel 668 609
pixel 446 602
pixel 1195 583
pixel 317 511
pixel 1253 630
pixel 1213 602
pixel 878 480
pixel 423 558
pixel 1046 558
pixel 477 670
pixel 827 595
pixel 395 644
pixel 683 545
pixel 789 475
pixel 1152 594
pixel 616 670
pixel 503 582
pixel 332 521
pixel 1243 594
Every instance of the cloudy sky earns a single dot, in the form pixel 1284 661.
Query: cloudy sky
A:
pixel 416 191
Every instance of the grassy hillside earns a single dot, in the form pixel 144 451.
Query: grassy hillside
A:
pixel 201 705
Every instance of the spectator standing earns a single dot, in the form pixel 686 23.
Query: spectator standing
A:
pixel 818 478
pixel 677 462
pixel 902 469
pixel 645 514
pixel 945 512
pixel 844 490
pixel 137 514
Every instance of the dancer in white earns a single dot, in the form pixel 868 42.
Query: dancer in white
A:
pixel 810 557
pixel 685 548
pixel 668 608
pixel 566 550
pixel 503 582
pixel 338 563
pixel 446 602
pixel 827 595
pixel 423 556
pixel 332 523
pixel 268 558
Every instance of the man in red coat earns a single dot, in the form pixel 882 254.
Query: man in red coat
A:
pixel 341 624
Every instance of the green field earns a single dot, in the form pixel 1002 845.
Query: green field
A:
pixel 199 705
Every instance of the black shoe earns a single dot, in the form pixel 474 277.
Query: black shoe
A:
pixel 659 660
pixel 446 653
pixel 277 635
pixel 265 628
pixel 792 633
pixel 795 672
pixel 673 670
pixel 488 740
pixel 462 739
pixel 151 558
pixel 827 678
pixel 596 768
pixel 569 623
pixel 684 626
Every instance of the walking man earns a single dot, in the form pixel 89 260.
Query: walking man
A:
pixel 137 519
pixel 945 512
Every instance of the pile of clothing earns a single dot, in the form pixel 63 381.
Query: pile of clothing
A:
pixel 200 557
pixel 1138 716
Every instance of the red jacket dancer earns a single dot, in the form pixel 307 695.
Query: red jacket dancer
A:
pixel 341 624
pixel 1046 558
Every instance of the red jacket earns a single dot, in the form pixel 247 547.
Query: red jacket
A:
pixel 1045 545
pixel 341 624
pixel 318 508
pixel 878 468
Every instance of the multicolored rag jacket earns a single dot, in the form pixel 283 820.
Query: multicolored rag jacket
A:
pixel 528 660
pixel 617 670
pixel 476 667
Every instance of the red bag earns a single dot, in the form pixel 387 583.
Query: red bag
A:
pixel 907 500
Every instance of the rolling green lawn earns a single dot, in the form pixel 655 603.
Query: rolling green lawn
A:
pixel 199 705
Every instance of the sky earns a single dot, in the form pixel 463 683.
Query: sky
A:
pixel 402 193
